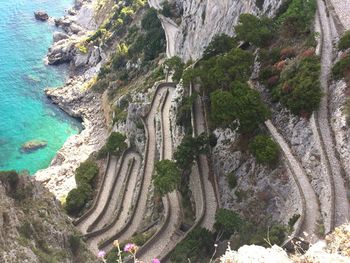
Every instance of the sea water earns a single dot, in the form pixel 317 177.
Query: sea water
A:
pixel 25 112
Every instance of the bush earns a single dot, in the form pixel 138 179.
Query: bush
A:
pixel 227 222
pixel 116 143
pixel 189 150
pixel 299 88
pixel 344 42
pixel 77 199
pixel 232 180
pixel 167 177
pixel 86 172
pixel 196 247
pixel 175 66
pixel 74 244
pixel 183 117
pixel 298 17
pixel 341 69
pixel 220 44
pixel 255 30
pixel 264 149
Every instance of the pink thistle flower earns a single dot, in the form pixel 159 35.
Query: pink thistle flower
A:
pixel 155 260
pixel 129 247
pixel 101 254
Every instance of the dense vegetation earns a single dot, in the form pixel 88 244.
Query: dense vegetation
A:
pixel 344 42
pixel 167 177
pixel 264 149
pixel 195 248
pixel 138 45
pixel 289 66
pixel 77 198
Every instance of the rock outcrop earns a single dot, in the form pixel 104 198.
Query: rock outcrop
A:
pixel 202 20
pixel 41 15
pixel 33 145
pixel 33 226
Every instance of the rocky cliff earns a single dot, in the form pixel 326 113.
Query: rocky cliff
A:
pixel 202 20
pixel 33 226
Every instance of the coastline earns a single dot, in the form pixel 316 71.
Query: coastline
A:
pixel 77 101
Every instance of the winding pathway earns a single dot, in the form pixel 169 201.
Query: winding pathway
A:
pixel 84 222
pixel 126 231
pixel 339 213
pixel 310 207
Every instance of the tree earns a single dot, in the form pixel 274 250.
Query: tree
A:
pixel 228 222
pixel 255 30
pixel 219 72
pixel 176 66
pixel 299 87
pixel 264 149
pixel 220 44
pixel 222 108
pixel 86 172
pixel 189 150
pixel 344 42
pixel 116 143
pixel 167 177
pixel 77 198
pixel 249 108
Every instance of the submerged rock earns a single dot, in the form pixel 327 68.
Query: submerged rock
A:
pixel 33 145
pixel 41 15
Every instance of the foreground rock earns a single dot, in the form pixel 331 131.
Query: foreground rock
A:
pixel 41 16
pixel 33 226
pixel 33 145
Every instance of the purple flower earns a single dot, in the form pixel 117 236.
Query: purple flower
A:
pixel 101 254
pixel 127 247
pixel 155 260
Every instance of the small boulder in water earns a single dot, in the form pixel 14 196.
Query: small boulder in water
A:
pixel 41 15
pixel 33 145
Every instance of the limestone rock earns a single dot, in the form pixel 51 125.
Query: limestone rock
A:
pixel 57 36
pixel 33 145
pixel 41 15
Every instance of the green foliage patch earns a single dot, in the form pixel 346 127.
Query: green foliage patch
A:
pixel 167 177
pixel 264 149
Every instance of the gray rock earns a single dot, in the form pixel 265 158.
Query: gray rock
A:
pixel 41 15
pixel 61 52
pixel 33 145
pixel 57 36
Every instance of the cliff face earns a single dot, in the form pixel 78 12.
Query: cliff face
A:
pixel 33 227
pixel 202 20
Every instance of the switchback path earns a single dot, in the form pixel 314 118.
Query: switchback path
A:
pixel 309 199
pixel 339 213
pixel 102 196
pixel 126 231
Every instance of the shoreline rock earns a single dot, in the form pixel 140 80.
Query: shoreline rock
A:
pixel 41 16
pixel 77 101
pixel 33 145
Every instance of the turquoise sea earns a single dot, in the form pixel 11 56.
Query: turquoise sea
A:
pixel 25 112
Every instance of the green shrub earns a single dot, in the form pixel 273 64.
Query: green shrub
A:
pixel 292 221
pixel 299 88
pixel 183 117
pixel 116 143
pixel 86 172
pixel 196 247
pixel 77 199
pixel 175 66
pixel 220 44
pixel 228 222
pixel 189 150
pixel 264 149
pixel 341 69
pixel 167 177
pixel 344 42
pixel 74 244
pixel 298 17
pixel 255 30
pixel 232 180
